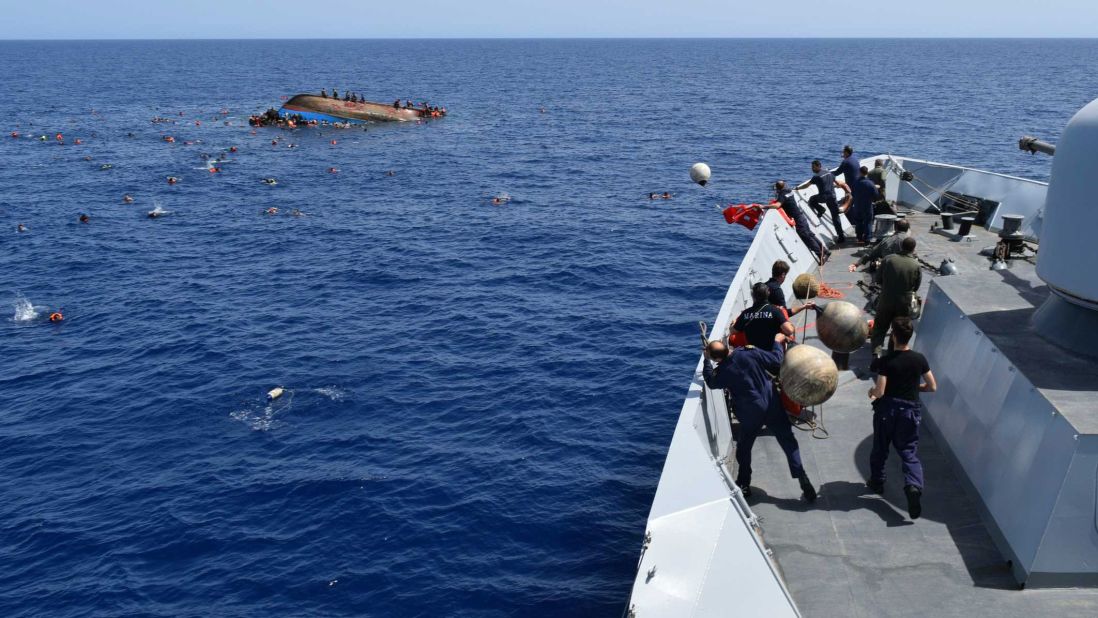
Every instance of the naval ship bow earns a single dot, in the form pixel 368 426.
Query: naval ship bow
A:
pixel 1009 441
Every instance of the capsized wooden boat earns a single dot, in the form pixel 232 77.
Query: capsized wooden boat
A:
pixel 315 107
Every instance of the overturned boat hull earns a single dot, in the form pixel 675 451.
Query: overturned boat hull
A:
pixel 313 107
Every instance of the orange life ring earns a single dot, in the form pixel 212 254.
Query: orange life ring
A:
pixel 56 316
pixel 738 339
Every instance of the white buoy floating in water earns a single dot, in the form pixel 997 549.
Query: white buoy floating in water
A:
pixel 275 393
pixel 700 173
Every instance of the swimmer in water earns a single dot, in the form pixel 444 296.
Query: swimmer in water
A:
pixel 127 199
pixel 84 218
pixel 172 180
pixel 666 195
pixel 270 181
pixel 391 173
pixel 271 211
pixel 105 166
pixel 652 196
pixel 297 213
pixel 500 200
pixel 155 214
pixel 21 228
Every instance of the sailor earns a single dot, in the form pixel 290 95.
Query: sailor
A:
pixel 882 206
pixel 848 167
pixel 335 94
pixel 354 97
pixel 900 280
pixel 760 322
pixel 901 375
pixel 746 374
pixel 864 192
pixel 778 273
pixel 877 174
pixel 885 248
pixel 323 93
pixel 396 104
pixel 825 192
pixel 788 202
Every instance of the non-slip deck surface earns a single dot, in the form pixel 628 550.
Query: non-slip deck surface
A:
pixel 854 553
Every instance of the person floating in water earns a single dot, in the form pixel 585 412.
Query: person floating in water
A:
pixel 270 181
pixel 127 199
pixel 84 218
pixel 21 228
pixel 666 195
pixel 172 180
pixel 296 213
pixel 271 211
pixel 653 196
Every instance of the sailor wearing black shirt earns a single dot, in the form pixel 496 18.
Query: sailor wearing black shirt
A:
pixel 746 375
pixel 762 321
pixel 778 273
pixel 901 375
pixel 788 202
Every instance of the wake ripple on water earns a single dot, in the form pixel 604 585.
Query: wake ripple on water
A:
pixel 264 415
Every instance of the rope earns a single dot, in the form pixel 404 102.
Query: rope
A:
pixel 829 292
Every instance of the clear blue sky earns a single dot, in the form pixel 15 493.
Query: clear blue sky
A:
pixel 144 19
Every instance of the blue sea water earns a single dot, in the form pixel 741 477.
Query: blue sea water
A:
pixel 479 397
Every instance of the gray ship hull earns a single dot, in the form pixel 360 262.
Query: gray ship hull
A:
pixel 1009 453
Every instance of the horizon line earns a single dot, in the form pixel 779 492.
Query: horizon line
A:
pixel 569 38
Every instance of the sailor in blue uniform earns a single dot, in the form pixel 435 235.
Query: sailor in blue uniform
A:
pixel 897 412
pixel 788 202
pixel 863 193
pixel 848 167
pixel 746 374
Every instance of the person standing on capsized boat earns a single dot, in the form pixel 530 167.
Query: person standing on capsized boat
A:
pixel 897 412
pixel 746 375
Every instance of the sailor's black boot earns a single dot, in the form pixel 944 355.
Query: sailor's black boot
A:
pixel 914 501
pixel 807 488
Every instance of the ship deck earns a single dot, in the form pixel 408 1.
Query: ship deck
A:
pixel 854 553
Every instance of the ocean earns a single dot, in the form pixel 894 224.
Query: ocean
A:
pixel 478 397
